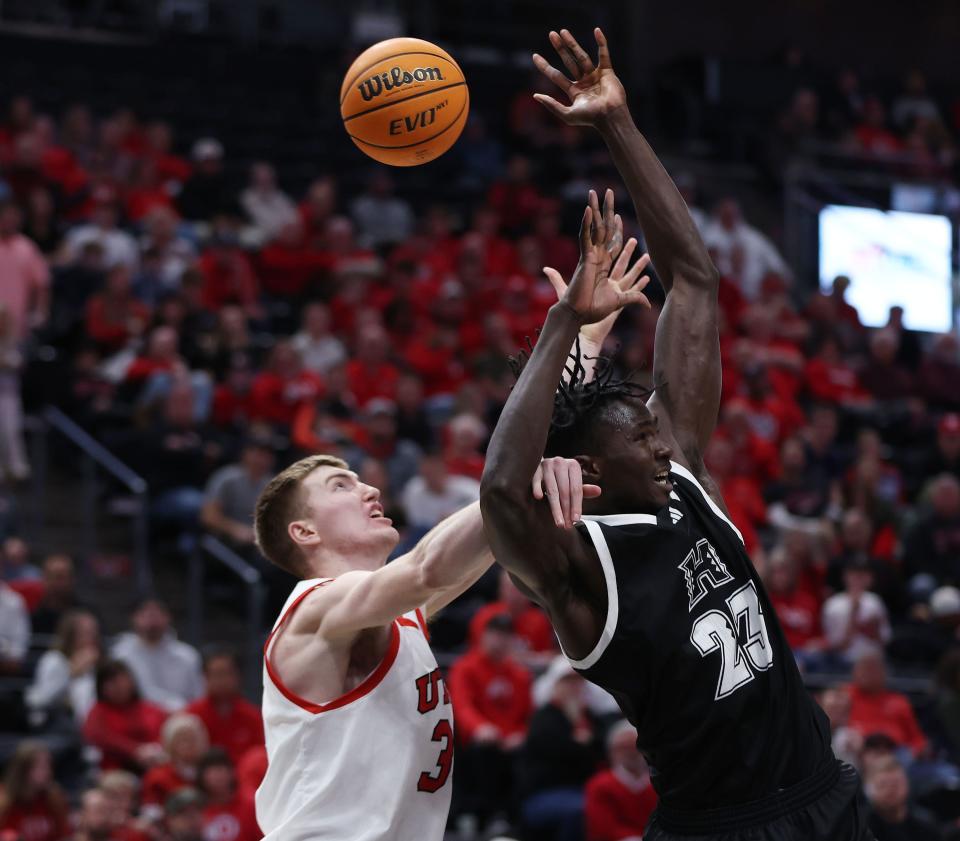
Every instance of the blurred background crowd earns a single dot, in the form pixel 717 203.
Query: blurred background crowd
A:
pixel 210 287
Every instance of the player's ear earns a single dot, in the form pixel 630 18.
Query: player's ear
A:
pixel 303 533
pixel 589 468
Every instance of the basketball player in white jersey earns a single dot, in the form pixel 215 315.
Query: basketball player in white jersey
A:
pixel 359 726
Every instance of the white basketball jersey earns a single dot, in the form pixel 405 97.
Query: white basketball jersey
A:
pixel 371 765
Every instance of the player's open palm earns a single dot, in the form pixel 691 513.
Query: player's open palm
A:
pixel 600 286
pixel 594 90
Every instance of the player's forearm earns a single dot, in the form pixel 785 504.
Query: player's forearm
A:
pixel 454 551
pixel 673 240
pixel 520 436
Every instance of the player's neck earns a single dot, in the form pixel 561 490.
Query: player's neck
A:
pixel 329 563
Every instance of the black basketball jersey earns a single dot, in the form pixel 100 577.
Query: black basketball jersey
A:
pixel 694 654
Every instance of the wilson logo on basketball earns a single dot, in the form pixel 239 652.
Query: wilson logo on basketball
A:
pixel 422 119
pixel 396 78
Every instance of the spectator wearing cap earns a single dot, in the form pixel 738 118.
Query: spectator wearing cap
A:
pixel 119 247
pixel 183 816
pixel 207 192
pixel 932 544
pixel 24 276
pixel 434 494
pixel 113 315
pixel 619 801
pixel 892 817
pixel 491 692
pixel 185 741
pixel 167 670
pixel 266 206
pixel 855 620
pixel 229 814
pixel 122 726
pixel 231 494
pixel 876 709
pixel 319 349
pixel 233 723
pixel 283 387
pixel 33 807
pixel 561 753
pixel 381 217
pixel 533 638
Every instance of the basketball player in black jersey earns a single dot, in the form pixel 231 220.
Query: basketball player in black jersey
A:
pixel 652 595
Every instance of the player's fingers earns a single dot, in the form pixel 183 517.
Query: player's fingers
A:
pixel 597 217
pixel 563 486
pixel 623 262
pixel 552 105
pixel 566 55
pixel 585 225
pixel 633 297
pixel 591 491
pixel 538 482
pixel 576 492
pixel 616 240
pixel 556 280
pixel 552 73
pixel 603 51
pixel 584 62
pixel 608 213
pixel 552 492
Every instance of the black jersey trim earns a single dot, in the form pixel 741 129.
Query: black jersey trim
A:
pixel 613 603
pixel 680 470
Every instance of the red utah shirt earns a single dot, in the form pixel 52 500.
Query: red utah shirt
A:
pixel 236 728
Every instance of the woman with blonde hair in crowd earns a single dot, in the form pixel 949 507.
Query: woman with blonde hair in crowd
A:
pixel 185 741
pixel 32 806
pixel 65 679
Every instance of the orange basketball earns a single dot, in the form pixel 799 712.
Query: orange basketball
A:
pixel 404 101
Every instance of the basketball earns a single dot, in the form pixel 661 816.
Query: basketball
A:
pixel 404 101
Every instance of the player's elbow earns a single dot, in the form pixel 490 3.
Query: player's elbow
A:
pixel 498 498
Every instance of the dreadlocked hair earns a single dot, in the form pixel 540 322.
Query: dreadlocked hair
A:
pixel 578 401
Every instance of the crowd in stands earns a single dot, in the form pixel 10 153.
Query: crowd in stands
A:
pixel 209 332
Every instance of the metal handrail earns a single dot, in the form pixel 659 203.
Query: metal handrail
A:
pixel 95 455
pixel 256 596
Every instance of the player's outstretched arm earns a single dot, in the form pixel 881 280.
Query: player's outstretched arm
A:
pixel 446 562
pixel 687 350
pixel 522 534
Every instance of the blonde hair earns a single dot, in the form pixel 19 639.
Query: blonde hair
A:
pixel 279 504
pixel 181 723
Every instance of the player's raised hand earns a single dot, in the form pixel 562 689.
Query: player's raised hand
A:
pixel 601 287
pixel 560 480
pixel 594 90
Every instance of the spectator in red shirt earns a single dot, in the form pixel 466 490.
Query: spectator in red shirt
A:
pixel 114 316
pixel 743 490
pixel 172 170
pixel 229 814
pixel 797 610
pixel 499 254
pixel 97 820
pixel 534 640
pixel 121 790
pixel 465 435
pixel 884 376
pixel 553 241
pixel 251 769
pixel 289 265
pixel 228 277
pixel 370 372
pixel 515 197
pixel 124 728
pixel 32 806
pixel 232 722
pixel 876 709
pixel 872 134
pixel 618 802
pixel 830 379
pixel 280 390
pixel 773 414
pixel 752 455
pixel 185 741
pixel 317 208
pixel 491 695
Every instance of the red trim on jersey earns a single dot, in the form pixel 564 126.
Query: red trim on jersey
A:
pixel 423 624
pixel 365 687
pixel 407 623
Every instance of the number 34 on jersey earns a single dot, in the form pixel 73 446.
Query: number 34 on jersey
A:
pixel 738 633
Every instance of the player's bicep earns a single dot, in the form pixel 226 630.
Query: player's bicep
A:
pixel 686 366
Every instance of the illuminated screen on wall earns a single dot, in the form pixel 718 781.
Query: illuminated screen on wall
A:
pixel 892 258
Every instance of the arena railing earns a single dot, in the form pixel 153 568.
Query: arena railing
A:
pixel 93 457
pixel 210 547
